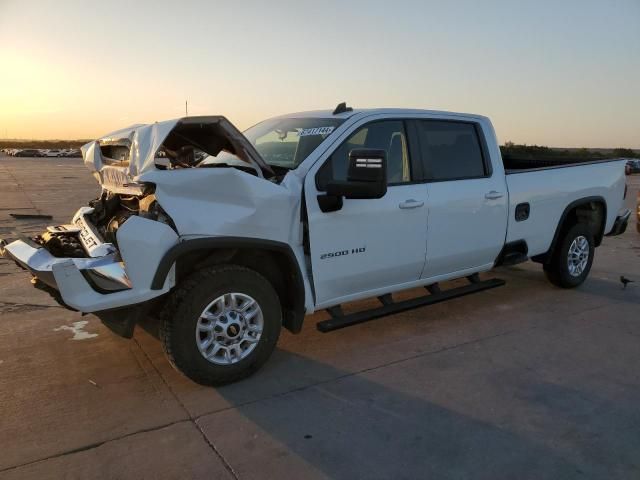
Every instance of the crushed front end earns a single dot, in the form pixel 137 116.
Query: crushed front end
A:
pixel 103 261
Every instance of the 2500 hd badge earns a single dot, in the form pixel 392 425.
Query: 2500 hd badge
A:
pixel 342 253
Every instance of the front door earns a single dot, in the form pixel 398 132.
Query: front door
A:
pixel 369 244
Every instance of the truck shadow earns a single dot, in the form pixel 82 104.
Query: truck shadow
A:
pixel 371 426
pixel 610 288
pixel 299 415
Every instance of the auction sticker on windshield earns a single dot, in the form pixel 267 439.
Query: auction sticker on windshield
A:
pixel 315 131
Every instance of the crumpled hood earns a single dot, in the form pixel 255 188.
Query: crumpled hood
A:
pixel 144 141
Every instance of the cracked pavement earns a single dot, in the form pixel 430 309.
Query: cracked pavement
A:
pixel 522 381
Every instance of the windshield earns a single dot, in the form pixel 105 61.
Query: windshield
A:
pixel 283 142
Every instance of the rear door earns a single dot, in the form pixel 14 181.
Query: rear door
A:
pixel 468 201
pixel 369 244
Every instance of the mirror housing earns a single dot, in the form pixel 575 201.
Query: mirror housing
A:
pixel 366 177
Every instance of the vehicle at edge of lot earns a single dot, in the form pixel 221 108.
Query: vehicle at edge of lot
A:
pixel 638 212
pixel 632 166
pixel 233 236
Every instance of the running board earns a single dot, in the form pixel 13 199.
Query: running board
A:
pixel 338 320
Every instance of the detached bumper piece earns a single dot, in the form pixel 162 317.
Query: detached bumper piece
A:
pixel 103 274
pixel 620 225
pixel 339 320
pixel 98 280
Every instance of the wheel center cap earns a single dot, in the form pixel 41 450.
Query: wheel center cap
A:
pixel 233 330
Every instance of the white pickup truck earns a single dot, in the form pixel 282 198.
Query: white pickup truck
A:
pixel 228 237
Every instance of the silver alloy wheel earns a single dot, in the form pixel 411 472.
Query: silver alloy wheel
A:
pixel 578 256
pixel 229 328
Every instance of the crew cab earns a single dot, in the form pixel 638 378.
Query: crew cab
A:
pixel 229 236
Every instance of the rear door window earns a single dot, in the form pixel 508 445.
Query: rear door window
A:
pixel 450 150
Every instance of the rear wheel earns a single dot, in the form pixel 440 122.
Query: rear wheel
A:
pixel 221 324
pixel 572 259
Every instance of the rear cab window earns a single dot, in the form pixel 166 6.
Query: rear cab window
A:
pixel 451 150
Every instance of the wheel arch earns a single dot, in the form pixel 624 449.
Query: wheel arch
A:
pixel 274 260
pixel 593 209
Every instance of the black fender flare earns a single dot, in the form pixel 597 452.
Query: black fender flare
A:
pixel 576 203
pixel 293 321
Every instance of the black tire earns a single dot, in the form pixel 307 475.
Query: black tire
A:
pixel 557 270
pixel 184 307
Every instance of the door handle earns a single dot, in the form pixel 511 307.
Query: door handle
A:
pixel 493 195
pixel 411 203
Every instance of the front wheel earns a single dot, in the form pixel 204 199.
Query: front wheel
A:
pixel 221 324
pixel 572 259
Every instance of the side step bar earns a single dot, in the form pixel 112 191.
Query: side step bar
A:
pixel 338 320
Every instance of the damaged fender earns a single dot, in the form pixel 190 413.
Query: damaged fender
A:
pixel 142 244
pixel 226 202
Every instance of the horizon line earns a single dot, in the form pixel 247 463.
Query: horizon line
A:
pixel 86 140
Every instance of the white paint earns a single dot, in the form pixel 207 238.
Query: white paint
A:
pixel 78 330
pixel 459 229
pixel 550 191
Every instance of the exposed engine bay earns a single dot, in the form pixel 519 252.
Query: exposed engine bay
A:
pixel 109 212
pixel 112 210
pixel 62 241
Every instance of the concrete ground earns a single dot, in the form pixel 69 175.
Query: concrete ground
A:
pixel 523 381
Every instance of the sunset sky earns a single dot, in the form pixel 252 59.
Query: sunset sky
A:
pixel 556 72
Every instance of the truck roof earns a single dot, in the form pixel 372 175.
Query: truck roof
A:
pixel 376 111
pixel 361 112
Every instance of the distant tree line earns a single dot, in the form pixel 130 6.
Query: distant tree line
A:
pixel 538 151
pixel 509 148
pixel 625 152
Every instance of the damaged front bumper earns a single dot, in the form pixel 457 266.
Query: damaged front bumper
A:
pixel 103 274
pixel 113 278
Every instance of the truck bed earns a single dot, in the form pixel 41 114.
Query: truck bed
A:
pixel 549 188
pixel 518 164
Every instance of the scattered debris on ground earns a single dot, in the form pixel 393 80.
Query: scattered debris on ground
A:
pixel 31 216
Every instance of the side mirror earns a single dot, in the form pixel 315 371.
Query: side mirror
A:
pixel 366 177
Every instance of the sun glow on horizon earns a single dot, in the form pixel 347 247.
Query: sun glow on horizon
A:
pixel 549 74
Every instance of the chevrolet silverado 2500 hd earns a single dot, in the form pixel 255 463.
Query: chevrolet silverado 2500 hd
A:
pixel 227 236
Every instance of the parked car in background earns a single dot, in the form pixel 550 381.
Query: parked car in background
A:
pixel 75 152
pixel 632 166
pixel 54 152
pixel 28 152
pixel 42 152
